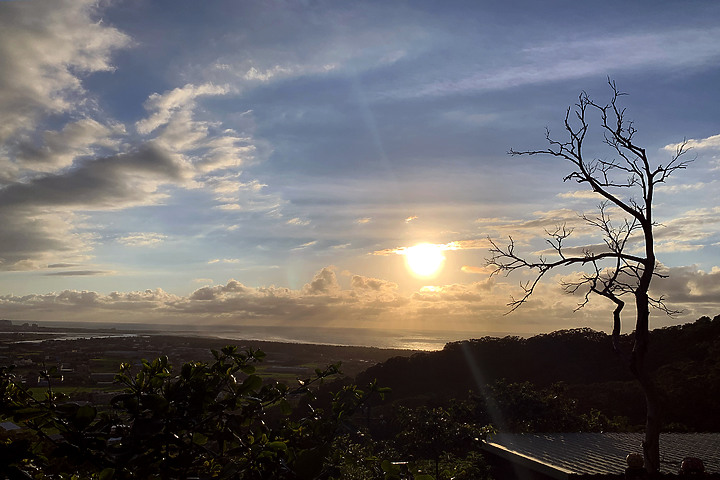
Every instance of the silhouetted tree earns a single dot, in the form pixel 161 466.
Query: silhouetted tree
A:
pixel 626 182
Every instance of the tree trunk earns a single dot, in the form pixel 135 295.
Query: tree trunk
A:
pixel 651 444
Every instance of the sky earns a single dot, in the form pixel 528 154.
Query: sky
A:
pixel 273 162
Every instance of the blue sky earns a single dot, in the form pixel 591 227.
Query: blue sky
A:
pixel 263 162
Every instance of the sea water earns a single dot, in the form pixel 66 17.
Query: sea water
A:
pixel 405 339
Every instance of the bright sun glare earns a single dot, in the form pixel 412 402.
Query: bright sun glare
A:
pixel 425 259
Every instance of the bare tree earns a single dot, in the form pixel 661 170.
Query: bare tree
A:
pixel 627 184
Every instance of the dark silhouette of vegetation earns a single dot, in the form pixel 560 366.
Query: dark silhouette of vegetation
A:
pixel 685 360
pixel 625 182
pixel 207 420
pixel 220 419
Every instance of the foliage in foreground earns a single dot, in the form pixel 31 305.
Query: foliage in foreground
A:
pixel 221 420
pixel 208 420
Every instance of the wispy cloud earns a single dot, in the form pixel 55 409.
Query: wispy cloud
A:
pixel 306 245
pixel 78 273
pixel 142 239
pixel 589 56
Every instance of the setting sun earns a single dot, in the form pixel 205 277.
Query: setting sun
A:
pixel 425 259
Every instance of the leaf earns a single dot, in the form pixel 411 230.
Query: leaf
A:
pixel 154 402
pixel 107 474
pixel 285 407
pixel 84 416
pixel 277 446
pixel 388 467
pixel 251 383
pixel 199 439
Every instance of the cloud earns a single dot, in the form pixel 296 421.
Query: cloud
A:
pixel 567 58
pixel 324 282
pixel 225 260
pixel 367 302
pixel 298 221
pixel 691 289
pixel 709 143
pixel 86 161
pixel 693 229
pixel 454 245
pixel 31 240
pixel 85 137
pixel 684 187
pixel 141 239
pixel 45 53
pixel 218 291
pixel 163 107
pixel 112 182
pixel 264 76
pixel 78 273
pixel 581 194
pixel 477 270
pixel 306 245
pixel 207 145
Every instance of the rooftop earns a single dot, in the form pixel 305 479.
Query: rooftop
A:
pixel 567 455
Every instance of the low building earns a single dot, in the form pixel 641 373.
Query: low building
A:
pixel 593 455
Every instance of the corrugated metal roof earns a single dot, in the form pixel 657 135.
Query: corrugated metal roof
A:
pixel 561 455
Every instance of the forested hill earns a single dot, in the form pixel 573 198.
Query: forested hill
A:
pixel 685 360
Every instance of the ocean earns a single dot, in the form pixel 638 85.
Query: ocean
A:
pixel 427 340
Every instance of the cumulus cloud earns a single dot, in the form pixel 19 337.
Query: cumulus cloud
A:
pixel 45 52
pixel 711 142
pixel 105 183
pixel 368 301
pixel 31 240
pixel 59 153
pixel 218 291
pixel 59 149
pixel 324 282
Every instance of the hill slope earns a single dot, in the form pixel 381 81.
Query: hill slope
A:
pixel 684 359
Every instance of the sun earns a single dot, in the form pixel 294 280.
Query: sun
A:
pixel 425 259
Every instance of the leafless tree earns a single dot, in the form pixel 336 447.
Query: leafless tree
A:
pixel 627 184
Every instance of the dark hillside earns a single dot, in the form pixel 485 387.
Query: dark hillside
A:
pixel 685 359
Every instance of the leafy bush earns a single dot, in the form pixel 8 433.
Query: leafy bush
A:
pixel 209 420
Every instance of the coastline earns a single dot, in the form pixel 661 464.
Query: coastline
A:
pixel 393 339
